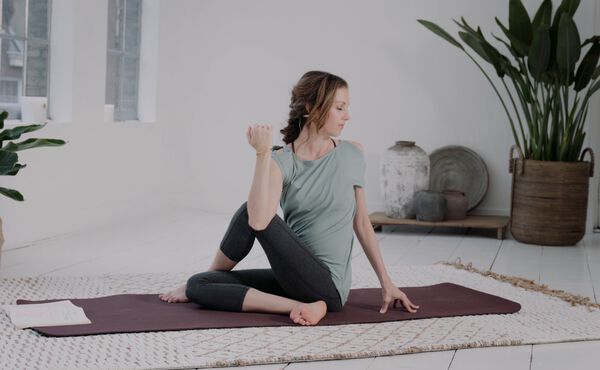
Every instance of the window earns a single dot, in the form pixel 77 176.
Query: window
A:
pixel 24 52
pixel 123 57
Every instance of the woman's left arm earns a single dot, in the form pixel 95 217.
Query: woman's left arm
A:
pixel 366 236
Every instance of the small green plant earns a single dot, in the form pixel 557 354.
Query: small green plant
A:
pixel 9 165
pixel 550 94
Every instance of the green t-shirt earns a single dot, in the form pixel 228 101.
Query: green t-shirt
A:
pixel 319 204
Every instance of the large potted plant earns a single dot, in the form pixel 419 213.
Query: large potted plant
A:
pixel 9 160
pixel 544 87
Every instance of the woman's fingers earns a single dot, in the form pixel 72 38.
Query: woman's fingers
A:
pixel 386 304
pixel 406 303
pixel 410 307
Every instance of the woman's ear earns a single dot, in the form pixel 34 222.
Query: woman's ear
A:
pixel 307 107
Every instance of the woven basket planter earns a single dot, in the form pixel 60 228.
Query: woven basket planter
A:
pixel 549 199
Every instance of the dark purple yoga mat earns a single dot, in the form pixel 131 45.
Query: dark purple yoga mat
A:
pixel 131 313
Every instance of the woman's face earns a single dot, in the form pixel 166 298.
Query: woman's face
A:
pixel 338 114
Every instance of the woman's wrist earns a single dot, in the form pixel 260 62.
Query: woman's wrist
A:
pixel 263 153
pixel 387 281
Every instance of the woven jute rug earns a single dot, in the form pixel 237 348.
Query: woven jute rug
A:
pixel 546 316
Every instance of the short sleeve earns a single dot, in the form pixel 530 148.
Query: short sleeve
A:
pixel 284 161
pixel 359 171
pixel 357 166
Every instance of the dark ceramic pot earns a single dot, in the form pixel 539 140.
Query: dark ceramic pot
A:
pixel 430 205
pixel 457 203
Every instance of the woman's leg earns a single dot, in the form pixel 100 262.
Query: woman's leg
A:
pixel 304 277
pixel 250 290
pixel 299 272
pixel 237 235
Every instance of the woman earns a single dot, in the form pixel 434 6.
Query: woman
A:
pixel 319 182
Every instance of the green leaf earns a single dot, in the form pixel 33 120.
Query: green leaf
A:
pixel 586 67
pixel 7 161
pixel 596 73
pixel 15 133
pixel 543 16
pixel 539 53
pixel 12 194
pixel 566 7
pixel 440 32
pixel 475 44
pixel 591 40
pixel 15 169
pixel 32 143
pixel 465 26
pixel 484 49
pixel 568 48
pixel 510 48
pixel 500 62
pixel 517 45
pixel 519 23
pixel 3 116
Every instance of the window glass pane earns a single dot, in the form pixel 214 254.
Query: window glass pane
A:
pixel 37 69
pixel 113 72
pixel 122 74
pixel 38 19
pixel 132 26
pixel 115 24
pixel 10 91
pixel 11 77
pixel 130 85
pixel 13 17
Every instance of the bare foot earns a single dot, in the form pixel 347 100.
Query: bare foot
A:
pixel 308 313
pixel 175 296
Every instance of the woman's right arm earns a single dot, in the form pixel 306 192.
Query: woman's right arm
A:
pixel 267 183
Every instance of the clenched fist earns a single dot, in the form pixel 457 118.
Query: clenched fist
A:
pixel 260 137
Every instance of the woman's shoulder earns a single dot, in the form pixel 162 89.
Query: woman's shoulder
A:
pixel 281 154
pixel 354 145
pixel 278 150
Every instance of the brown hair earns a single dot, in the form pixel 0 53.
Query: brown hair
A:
pixel 315 90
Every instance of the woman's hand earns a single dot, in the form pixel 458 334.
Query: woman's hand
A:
pixel 260 137
pixel 391 294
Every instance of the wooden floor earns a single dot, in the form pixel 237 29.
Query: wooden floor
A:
pixel 187 239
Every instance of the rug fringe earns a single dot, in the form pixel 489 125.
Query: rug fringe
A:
pixel 367 354
pixel 573 299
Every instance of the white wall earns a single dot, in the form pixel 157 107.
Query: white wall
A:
pixel 235 62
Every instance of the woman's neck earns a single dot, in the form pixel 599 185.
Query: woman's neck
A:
pixel 312 144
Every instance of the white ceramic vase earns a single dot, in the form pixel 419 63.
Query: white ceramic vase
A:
pixel 404 171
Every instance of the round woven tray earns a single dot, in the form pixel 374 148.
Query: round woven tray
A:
pixel 456 167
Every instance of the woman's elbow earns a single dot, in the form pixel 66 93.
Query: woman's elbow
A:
pixel 362 227
pixel 259 224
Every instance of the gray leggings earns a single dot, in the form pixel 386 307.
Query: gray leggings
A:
pixel 295 272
